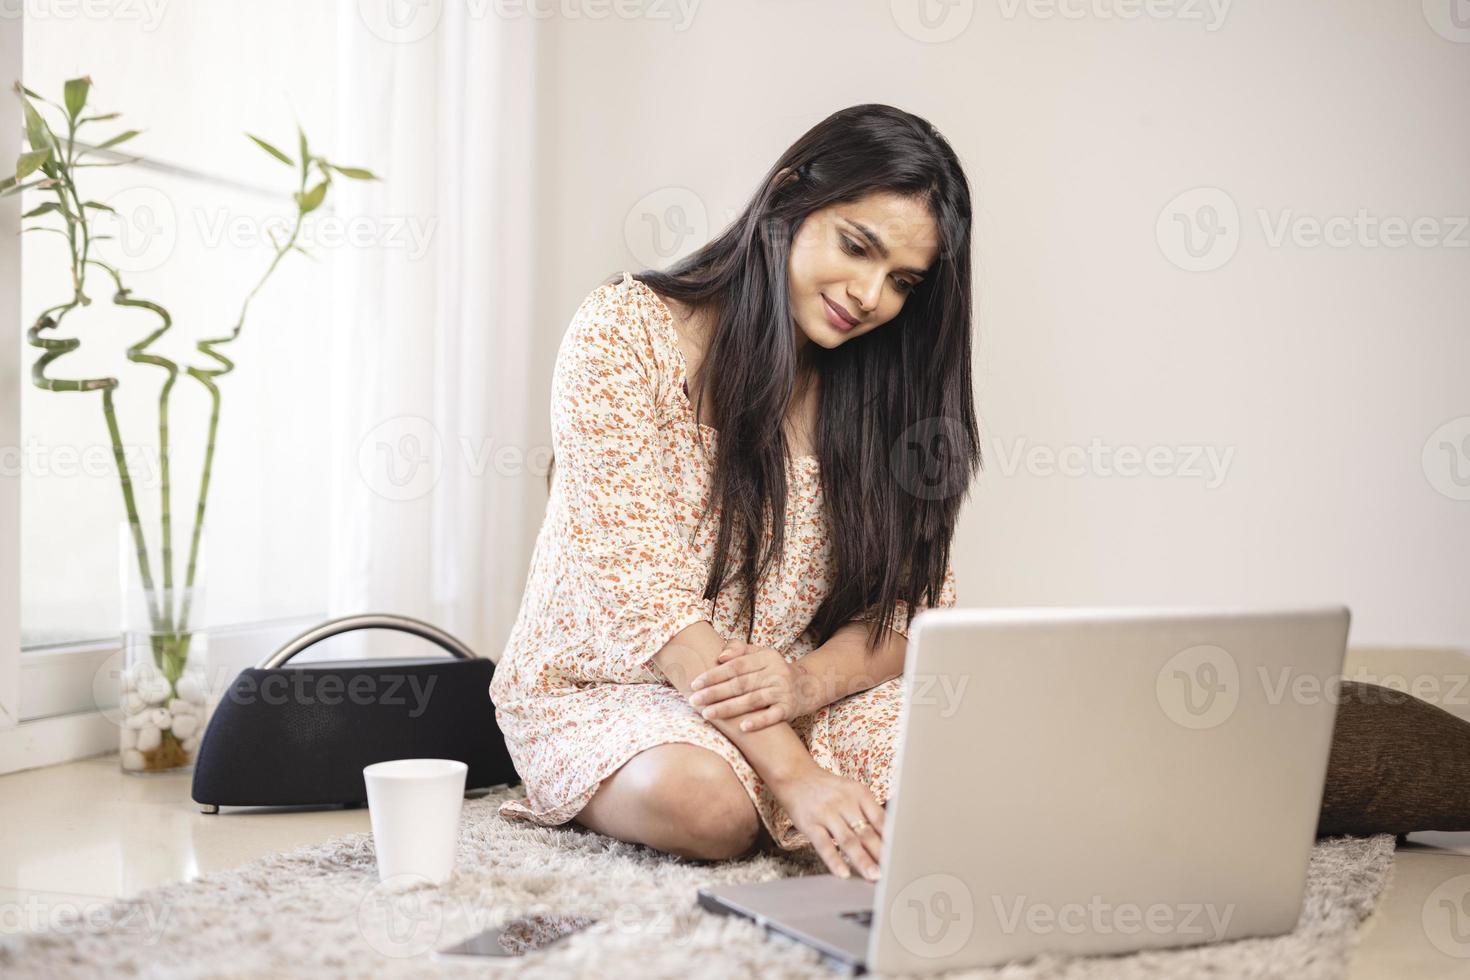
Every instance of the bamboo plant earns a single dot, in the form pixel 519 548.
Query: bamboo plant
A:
pixel 52 165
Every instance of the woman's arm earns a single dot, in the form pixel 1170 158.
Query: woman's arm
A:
pixel 843 666
pixel 776 752
pixel 757 686
pixel 823 806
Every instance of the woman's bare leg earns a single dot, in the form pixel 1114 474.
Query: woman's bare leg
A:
pixel 679 798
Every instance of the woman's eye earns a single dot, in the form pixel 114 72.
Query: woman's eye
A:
pixel 853 248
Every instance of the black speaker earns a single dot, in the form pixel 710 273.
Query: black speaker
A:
pixel 301 734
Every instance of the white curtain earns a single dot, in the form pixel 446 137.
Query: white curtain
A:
pixel 432 350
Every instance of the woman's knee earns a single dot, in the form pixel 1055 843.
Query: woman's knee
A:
pixel 701 805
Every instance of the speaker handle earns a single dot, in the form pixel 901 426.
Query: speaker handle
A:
pixel 362 621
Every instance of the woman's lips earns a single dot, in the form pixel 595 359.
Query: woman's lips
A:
pixel 836 317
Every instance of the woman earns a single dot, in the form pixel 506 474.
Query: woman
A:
pixel 708 653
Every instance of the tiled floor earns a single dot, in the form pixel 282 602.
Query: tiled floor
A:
pixel 82 833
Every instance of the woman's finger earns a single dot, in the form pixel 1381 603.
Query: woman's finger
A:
pixel 875 813
pixel 852 846
pixel 712 676
pixel 723 672
pixel 829 853
pixel 731 652
pixel 764 718
pixel 733 648
pixel 870 840
pixel 731 707
pixel 727 689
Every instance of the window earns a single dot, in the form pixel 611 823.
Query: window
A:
pixel 191 233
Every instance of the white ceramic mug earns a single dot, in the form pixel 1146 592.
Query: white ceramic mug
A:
pixel 414 806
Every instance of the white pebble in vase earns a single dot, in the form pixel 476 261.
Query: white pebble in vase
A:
pixel 190 689
pixel 159 718
pixel 132 759
pixel 154 690
pixel 191 744
pixel 128 739
pixel 149 738
pixel 185 725
pixel 178 706
pixel 136 721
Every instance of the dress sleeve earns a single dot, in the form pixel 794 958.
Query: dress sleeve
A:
pixel 634 563
pixel 902 616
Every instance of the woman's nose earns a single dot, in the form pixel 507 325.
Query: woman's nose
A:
pixel 865 296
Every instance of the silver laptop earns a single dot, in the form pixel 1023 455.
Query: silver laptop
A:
pixel 1084 781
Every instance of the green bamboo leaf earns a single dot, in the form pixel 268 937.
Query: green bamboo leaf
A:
pixel 273 151
pixel 36 132
pixel 298 248
pixel 119 138
pixel 35 95
pixel 18 188
pixel 7 182
pixel 99 206
pixel 101 118
pixel 75 91
pixel 305 153
pixel 356 173
pixel 312 199
pixel 30 161
pixel 54 231
pixel 41 209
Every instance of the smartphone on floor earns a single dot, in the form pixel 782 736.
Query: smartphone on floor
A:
pixel 519 936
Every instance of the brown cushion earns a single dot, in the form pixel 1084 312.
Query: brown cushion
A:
pixel 1398 764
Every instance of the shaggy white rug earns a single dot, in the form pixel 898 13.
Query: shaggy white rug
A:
pixel 320 911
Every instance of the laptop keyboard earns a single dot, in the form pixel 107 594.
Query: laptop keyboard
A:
pixel 863 917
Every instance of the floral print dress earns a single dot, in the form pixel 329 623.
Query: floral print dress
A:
pixel 618 570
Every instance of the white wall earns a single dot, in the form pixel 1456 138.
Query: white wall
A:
pixel 1322 371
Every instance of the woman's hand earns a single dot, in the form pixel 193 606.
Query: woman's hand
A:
pixel 752 683
pixel 824 806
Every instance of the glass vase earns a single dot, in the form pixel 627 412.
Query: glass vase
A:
pixel 164 696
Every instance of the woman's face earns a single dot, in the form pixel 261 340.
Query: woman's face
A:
pixel 863 258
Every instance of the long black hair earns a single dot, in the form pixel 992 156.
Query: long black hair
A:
pixel 897 439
